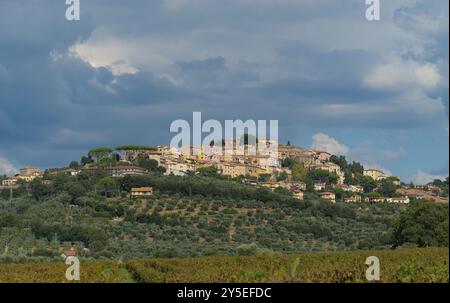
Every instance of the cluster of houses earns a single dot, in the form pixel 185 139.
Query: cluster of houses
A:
pixel 246 163
pixel 26 174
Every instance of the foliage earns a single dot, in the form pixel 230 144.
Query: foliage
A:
pixel 136 147
pixel 387 188
pixel 90 272
pixel 423 223
pixel 324 176
pixel 187 216
pixel 403 265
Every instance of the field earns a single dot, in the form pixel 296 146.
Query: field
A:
pixel 406 265
pixel 428 265
pixel 90 272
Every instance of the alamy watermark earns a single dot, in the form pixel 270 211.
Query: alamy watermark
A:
pixel 373 271
pixel 236 137
pixel 373 10
pixel 73 271
pixel 73 10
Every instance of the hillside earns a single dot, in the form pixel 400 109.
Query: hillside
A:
pixel 193 216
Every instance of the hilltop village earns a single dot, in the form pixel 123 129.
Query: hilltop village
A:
pixel 290 169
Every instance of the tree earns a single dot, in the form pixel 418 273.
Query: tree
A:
pixel 75 190
pixel 299 172
pixel 387 188
pixel 288 162
pixel 248 250
pixel 86 160
pixel 38 190
pixel 356 168
pixel 106 185
pixel 424 223
pixel 210 171
pixel 339 160
pixel 149 164
pixel 100 153
pixel 74 165
pixel 283 176
pixel 368 183
pixel 324 176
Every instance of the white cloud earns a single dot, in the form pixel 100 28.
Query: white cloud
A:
pixel 403 74
pixel 326 143
pixel 6 168
pixel 421 177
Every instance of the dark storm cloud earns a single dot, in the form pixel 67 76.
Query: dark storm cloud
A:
pixel 228 59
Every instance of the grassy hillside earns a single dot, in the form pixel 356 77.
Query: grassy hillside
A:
pixel 197 216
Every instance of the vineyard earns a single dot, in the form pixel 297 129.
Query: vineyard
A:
pixel 90 272
pixel 428 265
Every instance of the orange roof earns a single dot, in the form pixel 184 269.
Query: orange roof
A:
pixel 142 189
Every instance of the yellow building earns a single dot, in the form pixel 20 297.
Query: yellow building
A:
pixel 353 199
pixel 142 192
pixel 376 174
pixel 232 169
pixel 29 171
pixel 328 196
pixel 298 194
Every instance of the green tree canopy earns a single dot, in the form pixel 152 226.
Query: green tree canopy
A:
pixel 423 223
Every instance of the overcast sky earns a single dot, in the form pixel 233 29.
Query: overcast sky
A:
pixel 376 92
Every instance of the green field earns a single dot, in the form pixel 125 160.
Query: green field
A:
pixel 429 265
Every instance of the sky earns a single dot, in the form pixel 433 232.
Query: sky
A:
pixel 376 92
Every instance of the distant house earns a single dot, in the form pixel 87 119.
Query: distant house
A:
pixel 10 181
pixel 400 200
pixel 179 167
pixel 119 171
pixel 141 192
pixel 30 171
pixel 270 185
pixel 322 155
pixel 352 188
pixel 298 185
pixel 375 199
pixel 232 169
pixel 73 172
pixel 433 187
pixel 319 186
pixel 298 194
pixel 356 188
pixel 353 199
pixel 122 171
pixel 328 196
pixel 376 174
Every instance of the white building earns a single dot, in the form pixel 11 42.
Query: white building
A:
pixel 399 200
pixel 375 173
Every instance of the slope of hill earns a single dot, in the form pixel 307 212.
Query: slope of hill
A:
pixel 190 216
